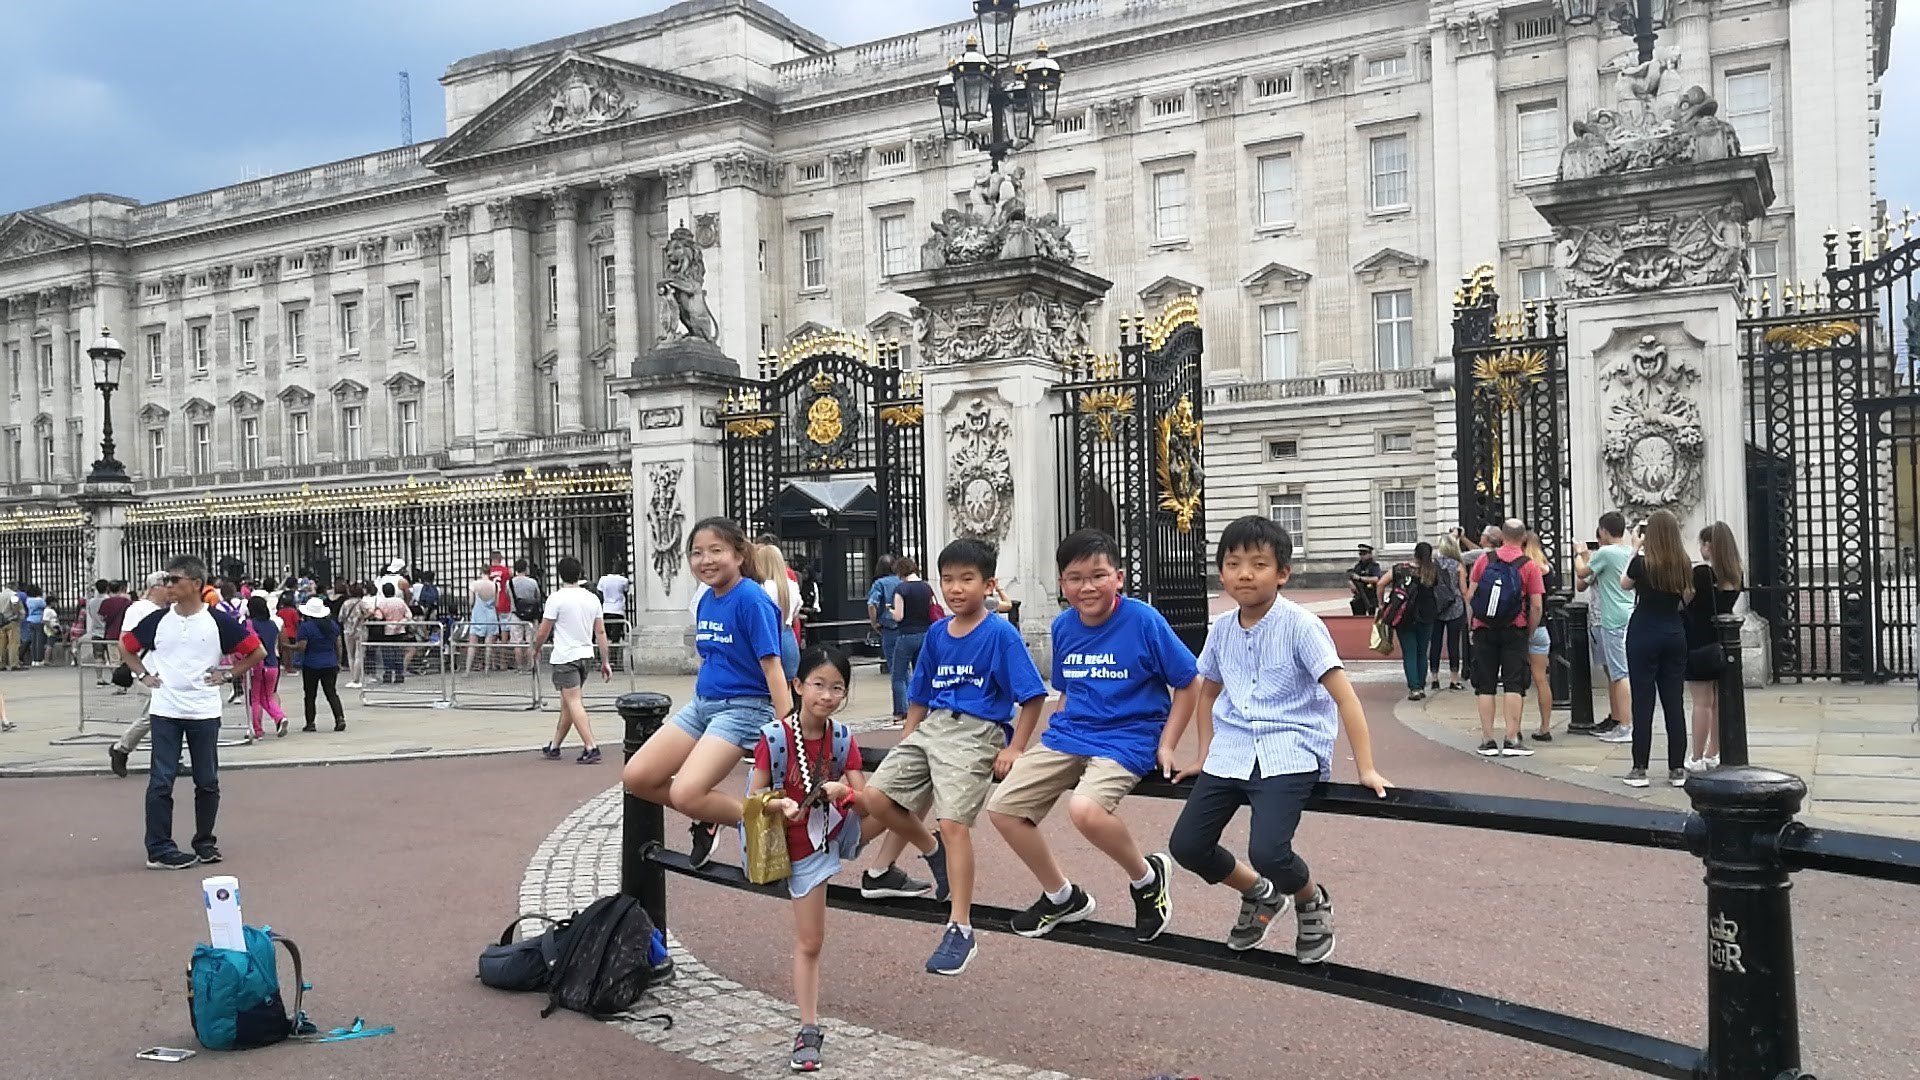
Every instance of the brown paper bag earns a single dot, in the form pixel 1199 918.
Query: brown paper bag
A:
pixel 1382 639
pixel 766 833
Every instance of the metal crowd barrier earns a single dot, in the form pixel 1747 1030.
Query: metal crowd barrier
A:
pixel 410 672
pixel 106 711
pixel 493 674
pixel 1742 827
pixel 599 695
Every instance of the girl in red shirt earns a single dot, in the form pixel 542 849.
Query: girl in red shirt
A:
pixel 818 790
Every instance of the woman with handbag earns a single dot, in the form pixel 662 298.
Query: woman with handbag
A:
pixel 1409 604
pixel 812 801
pixel 1718 580
pixel 1661 578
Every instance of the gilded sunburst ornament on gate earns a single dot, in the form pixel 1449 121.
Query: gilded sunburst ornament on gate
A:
pixel 1181 473
pixel 1816 335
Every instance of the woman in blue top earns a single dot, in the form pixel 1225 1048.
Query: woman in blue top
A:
pixel 318 643
pixel 35 633
pixel 741 685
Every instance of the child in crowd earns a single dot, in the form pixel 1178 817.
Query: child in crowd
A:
pixel 740 689
pixel 1121 674
pixel 1273 697
pixel 263 682
pixel 959 734
pixel 813 760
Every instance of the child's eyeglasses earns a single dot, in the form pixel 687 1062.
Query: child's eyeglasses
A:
pixel 829 689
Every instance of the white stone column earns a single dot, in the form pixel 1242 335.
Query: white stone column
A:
pixel 734 282
pixel 509 406
pixel 569 365
pixel 1583 71
pixel 464 341
pixel 677 480
pixel 1692 25
pixel 626 278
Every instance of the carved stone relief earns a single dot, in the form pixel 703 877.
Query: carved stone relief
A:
pixel 1653 440
pixel 458 218
pixel 980 471
pixel 930 150
pixel 706 229
pixel 743 169
pixel 994 226
pixel 220 276
pixel 1649 128
pixel 319 258
pixel 583 101
pixel 683 291
pixel 1025 325
pixel 172 284
pixel 427 241
pixel 1328 75
pixel 1116 114
pixel 849 166
pixel 482 267
pixel 1655 251
pixel 1474 32
pixel 267 268
pixel 1215 97
pixel 373 249
pixel 677 177
pixel 666 520
pixel 31 241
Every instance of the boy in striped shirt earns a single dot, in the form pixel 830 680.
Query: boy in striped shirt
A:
pixel 1273 698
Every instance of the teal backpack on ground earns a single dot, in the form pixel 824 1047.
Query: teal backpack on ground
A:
pixel 234 997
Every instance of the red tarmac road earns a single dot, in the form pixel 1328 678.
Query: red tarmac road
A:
pixel 392 876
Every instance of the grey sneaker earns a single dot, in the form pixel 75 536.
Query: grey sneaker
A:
pixel 1314 940
pixel 1677 777
pixel 1635 778
pixel 1618 735
pixel 1256 919
pixel 891 883
pixel 806 1049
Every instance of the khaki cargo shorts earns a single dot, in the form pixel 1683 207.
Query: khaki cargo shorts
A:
pixel 1042 775
pixel 947 763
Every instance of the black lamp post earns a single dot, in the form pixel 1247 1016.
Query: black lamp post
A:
pixel 1641 20
pixel 984 87
pixel 108 358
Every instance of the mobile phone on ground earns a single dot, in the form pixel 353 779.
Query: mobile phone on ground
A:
pixel 164 1053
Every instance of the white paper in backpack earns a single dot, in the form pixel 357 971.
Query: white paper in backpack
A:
pixel 224 923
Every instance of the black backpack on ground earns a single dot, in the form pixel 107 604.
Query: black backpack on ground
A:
pixel 609 955
pixel 524 965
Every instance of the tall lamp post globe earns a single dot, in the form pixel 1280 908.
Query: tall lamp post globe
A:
pixel 108 360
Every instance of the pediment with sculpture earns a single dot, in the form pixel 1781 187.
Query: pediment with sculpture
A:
pixel 573 95
pixel 25 235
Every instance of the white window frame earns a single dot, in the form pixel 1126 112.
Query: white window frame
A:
pixel 49 454
pixel 1537 141
pixel 813 258
pixel 247 442
pixel 1409 522
pixel 608 270
pixel 299 437
pixel 553 293
pixel 406 317
pixel 896 251
pixel 1744 118
pixel 296 323
pixel 76 445
pixel 198 349
pixel 614 406
pixel 1296 502
pixel 1391 442
pixel 1170 218
pixel 156 355
pixel 1274 447
pixel 1390 66
pixel 46 366
pixel 1384 179
pixel 353 432
pixel 406 421
pixel 1393 342
pixel 246 341
pixel 1274 205
pixel 349 326
pixel 1539 283
pixel 1279 340
pixel 553 406
pixel 200 446
pixel 75 364
pixel 156 451
pixel 1767 279
pixel 1080 233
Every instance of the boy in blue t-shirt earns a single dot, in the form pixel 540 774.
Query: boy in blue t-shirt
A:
pixel 960 733
pixel 1121 673
pixel 1273 698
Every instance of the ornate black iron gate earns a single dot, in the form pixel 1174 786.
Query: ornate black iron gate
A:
pixel 1130 439
pixel 826 451
pixel 1832 428
pixel 1510 402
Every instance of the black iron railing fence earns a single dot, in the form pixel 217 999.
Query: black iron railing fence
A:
pixel 1742 827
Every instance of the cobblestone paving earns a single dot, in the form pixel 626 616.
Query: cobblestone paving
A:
pixel 716 1021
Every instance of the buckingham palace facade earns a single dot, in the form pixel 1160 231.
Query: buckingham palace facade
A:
pixel 1319 172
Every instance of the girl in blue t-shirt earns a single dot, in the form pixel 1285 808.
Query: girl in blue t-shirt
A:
pixel 741 688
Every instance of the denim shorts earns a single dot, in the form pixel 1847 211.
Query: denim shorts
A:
pixel 789 653
pixel 1609 650
pixel 737 720
pixel 812 871
pixel 1539 644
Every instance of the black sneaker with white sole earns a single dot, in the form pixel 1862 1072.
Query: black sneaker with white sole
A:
pixel 1489 748
pixel 704 834
pixel 892 884
pixel 1603 727
pixel 1313 941
pixel 1153 905
pixel 207 853
pixel 172 860
pixel 1515 748
pixel 1040 919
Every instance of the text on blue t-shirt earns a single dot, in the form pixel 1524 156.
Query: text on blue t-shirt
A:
pixel 985 674
pixel 1114 681
pixel 732 632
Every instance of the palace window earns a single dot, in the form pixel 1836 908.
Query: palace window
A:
pixel 1393 330
pixel 1747 104
pixel 353 436
pixel 197 348
pixel 1400 516
pixel 813 258
pixel 1396 442
pixel 46 367
pixel 295 263
pixel 1290 513
pixel 614 398
pixel 13 372
pixel 299 438
pixel 49 455
pixel 156 452
pixel 1388 158
pixel 402 244
pixel 1279 340
pixel 1763 268
pixel 1540 141
pixel 76 365
pixel 348 254
pixel 14 469
pixel 76 446
pixel 1387 67
pixel 406 311
pixel 197 281
pixel 1274 173
pixel 607 272
pixel 1283 449
pixel 349 326
pixel 1070 206
pixel 1540 283
pixel 407 419
pixel 1170 105
pixel 1073 123
pixel 553 294
pixel 151 290
pixel 813 170
pixel 243 339
pixel 296 334
pixel 553 406
pixel 894 249
pixel 1170 205
pixel 891 156
pixel 243 273
pixel 202 432
pixel 156 355
pixel 1268 86
pixel 249 442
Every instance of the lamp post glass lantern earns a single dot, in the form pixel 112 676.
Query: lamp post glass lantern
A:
pixel 986 99
pixel 108 360
pixel 1641 20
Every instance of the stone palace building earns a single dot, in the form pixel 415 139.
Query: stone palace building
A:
pixel 1319 172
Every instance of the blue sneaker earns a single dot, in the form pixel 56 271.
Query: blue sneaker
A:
pixel 937 866
pixel 954 954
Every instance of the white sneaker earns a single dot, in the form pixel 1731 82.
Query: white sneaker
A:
pixel 1696 765
pixel 1618 735
pixel 353 686
pixel 1711 761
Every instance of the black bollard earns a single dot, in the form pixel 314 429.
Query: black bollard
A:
pixel 642 823
pixel 1559 658
pixel 1753 1020
pixel 1731 693
pixel 1580 668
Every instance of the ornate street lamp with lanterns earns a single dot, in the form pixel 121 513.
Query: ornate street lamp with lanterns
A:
pixel 108 359
pixel 986 99
pixel 1641 20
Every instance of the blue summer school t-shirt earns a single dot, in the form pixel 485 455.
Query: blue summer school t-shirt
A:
pixel 985 674
pixel 733 633
pixel 1113 679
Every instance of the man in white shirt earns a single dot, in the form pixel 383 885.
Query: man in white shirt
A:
pixel 572 617
pixel 156 596
pixel 613 589
pixel 176 654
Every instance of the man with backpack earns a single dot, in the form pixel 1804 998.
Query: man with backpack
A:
pixel 1507 596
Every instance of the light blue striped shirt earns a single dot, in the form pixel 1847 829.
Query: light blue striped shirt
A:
pixel 1272 710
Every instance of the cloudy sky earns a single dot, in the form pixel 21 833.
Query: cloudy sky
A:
pixel 186 95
